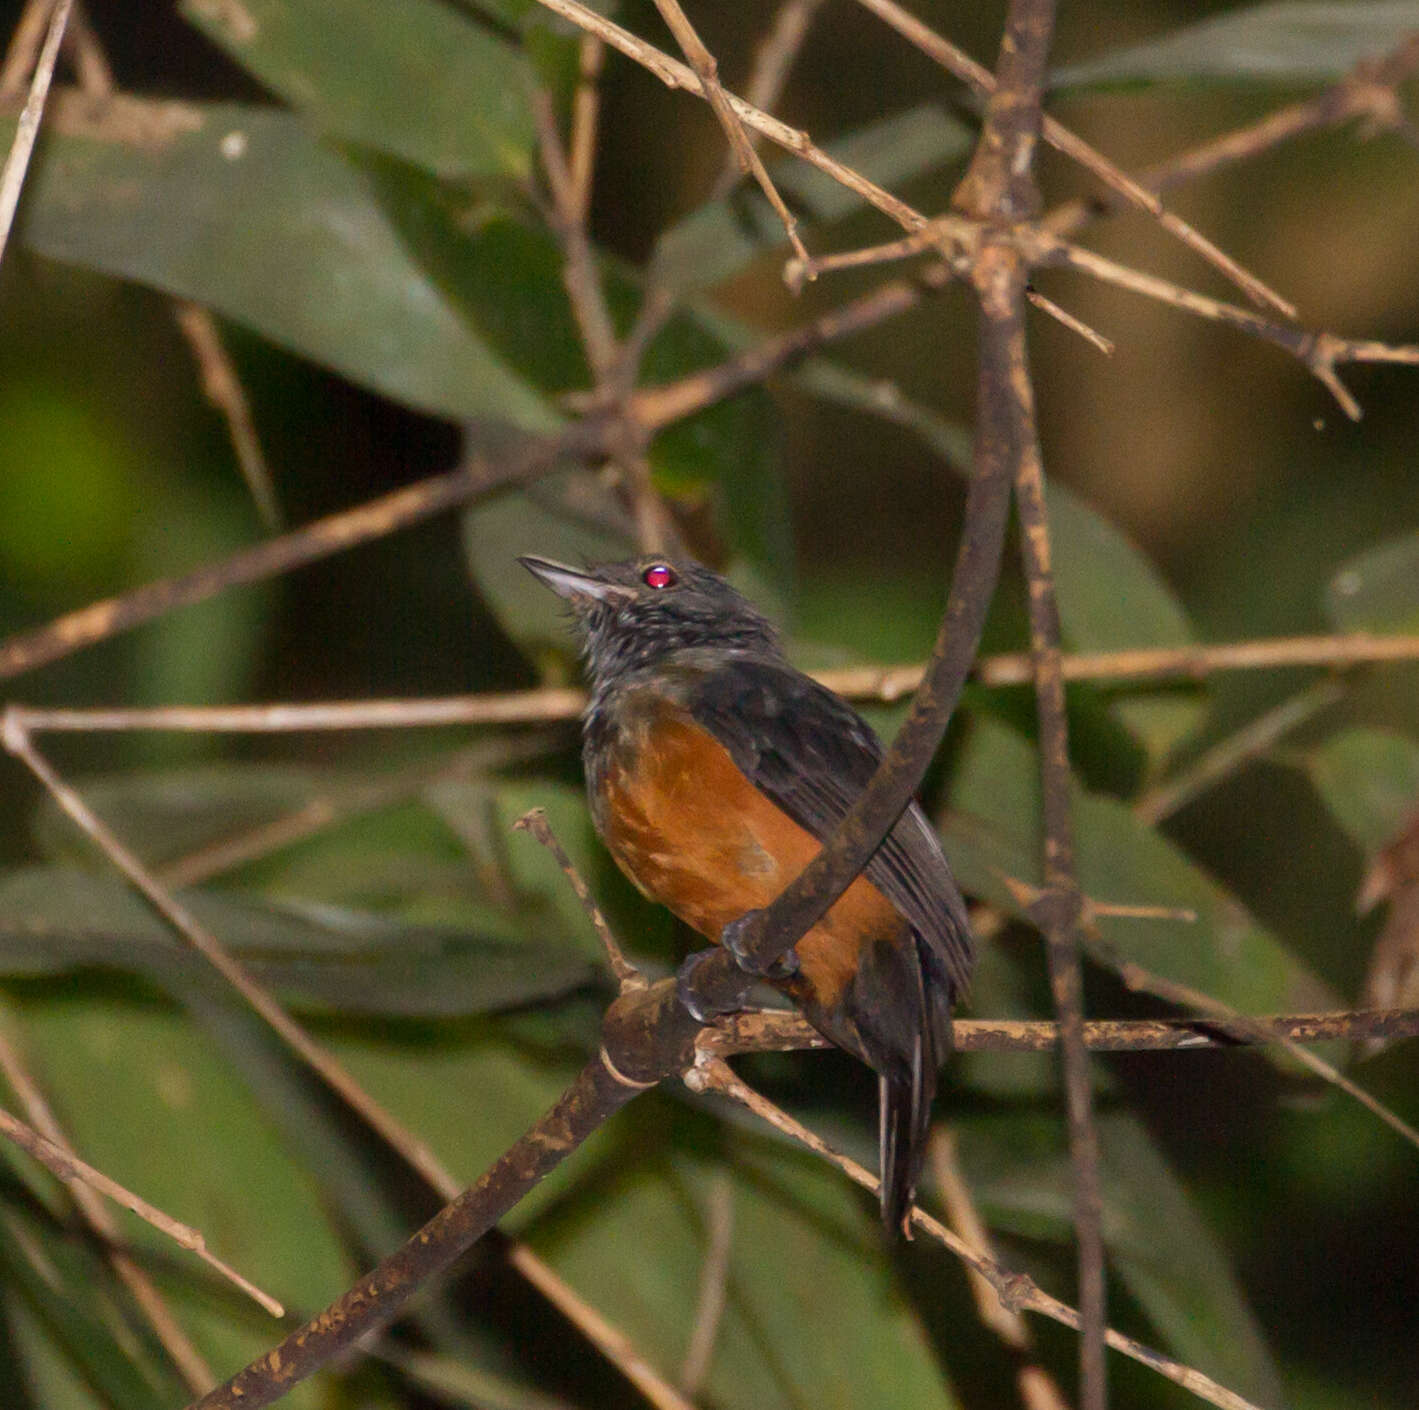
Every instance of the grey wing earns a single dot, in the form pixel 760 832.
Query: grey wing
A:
pixel 810 752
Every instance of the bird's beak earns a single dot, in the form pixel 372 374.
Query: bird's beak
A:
pixel 572 583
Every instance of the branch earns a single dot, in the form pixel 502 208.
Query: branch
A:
pixel 27 130
pixel 777 1031
pixel 371 1303
pixel 769 933
pixel 372 520
pixel 65 1166
pixel 1000 182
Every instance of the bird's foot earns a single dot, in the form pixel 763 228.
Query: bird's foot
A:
pixel 735 938
pixel 707 1001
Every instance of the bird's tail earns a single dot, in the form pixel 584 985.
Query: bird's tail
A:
pixel 904 1121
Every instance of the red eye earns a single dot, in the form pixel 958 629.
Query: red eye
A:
pixel 659 575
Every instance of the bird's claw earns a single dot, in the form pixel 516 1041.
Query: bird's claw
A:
pixel 695 1001
pixel 734 939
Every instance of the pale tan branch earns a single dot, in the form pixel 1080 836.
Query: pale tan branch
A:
pixel 222 387
pixel 17 162
pixel 982 81
pixel 64 1165
pixel 707 69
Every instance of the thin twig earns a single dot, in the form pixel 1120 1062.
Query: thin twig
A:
pixel 312 542
pixel 887 684
pixel 579 272
pixel 765 1030
pixel 67 1167
pixel 22 53
pixel 707 69
pixel 1320 352
pixel 1076 325
pixel 1368 90
pixel 983 83
pixel 1014 1289
pixel 374 1300
pixel 627 975
pixel 1038 1389
pixel 714 1283
pixel 1228 755
pixel 89 60
pixel 586 109
pixel 1000 182
pixel 189 1362
pixel 222 387
pixel 27 130
pixel 773 60
pixel 1144 981
pixel 674 74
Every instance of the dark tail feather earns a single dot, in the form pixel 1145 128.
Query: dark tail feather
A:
pixel 904 1118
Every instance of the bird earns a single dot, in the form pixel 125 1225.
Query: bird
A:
pixel 715 770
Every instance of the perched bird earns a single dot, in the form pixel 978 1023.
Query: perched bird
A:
pixel 715 771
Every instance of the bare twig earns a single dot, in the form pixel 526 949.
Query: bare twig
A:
pixel 627 975
pixel 714 1283
pixel 222 387
pixel 586 109
pixel 579 273
pixel 1144 981
pixel 1320 352
pixel 66 1166
pixel 674 74
pixel 983 83
pixel 777 1031
pixel 1229 754
pixel 884 683
pixel 12 178
pixel 1016 1290
pixel 1000 181
pixel 190 1364
pixel 22 52
pixel 772 61
pixel 1038 1390
pixel 378 1296
pixel 1369 90
pixel 707 69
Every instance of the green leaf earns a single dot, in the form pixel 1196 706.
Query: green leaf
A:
pixel 317 957
pixel 1369 779
pixel 992 831
pixel 722 236
pixel 413 78
pixel 802 1240
pixel 244 210
pixel 60 1301
pixel 497 269
pixel 1278 43
pixel 1110 598
pixel 1378 590
pixel 1165 1253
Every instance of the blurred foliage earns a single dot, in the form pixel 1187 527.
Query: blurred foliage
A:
pixel 352 188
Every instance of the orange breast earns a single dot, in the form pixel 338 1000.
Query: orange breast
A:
pixel 694 834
